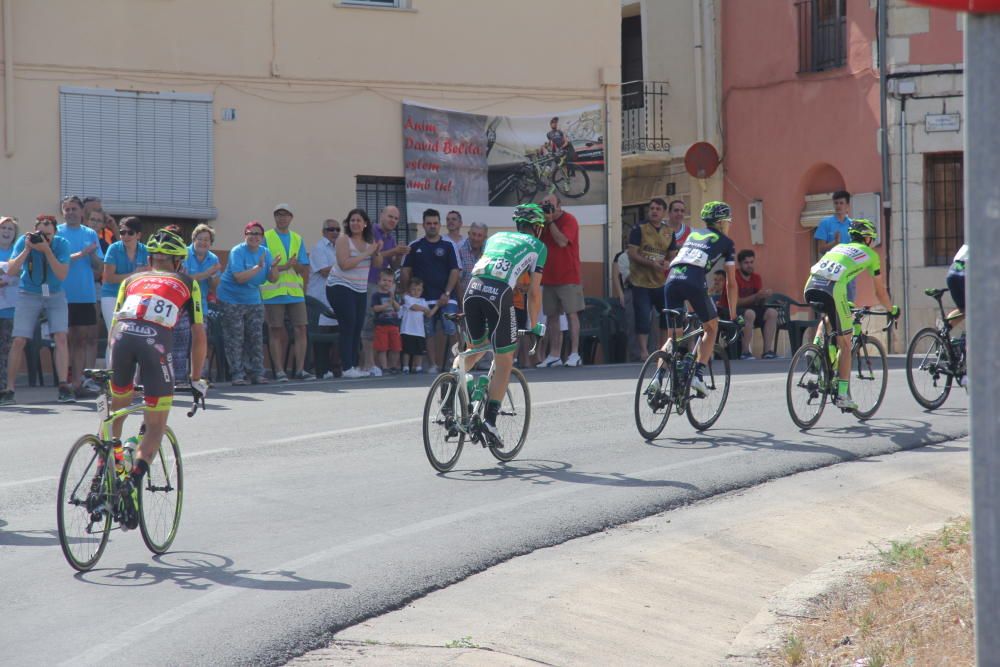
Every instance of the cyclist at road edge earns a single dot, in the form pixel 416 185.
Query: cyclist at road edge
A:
pixel 956 282
pixel 827 284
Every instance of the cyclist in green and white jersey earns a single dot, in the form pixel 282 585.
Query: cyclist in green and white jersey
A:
pixel 489 305
pixel 827 284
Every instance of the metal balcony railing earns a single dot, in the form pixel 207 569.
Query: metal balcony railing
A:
pixel 822 28
pixel 644 117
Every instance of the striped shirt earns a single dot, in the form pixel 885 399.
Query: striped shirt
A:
pixel 356 278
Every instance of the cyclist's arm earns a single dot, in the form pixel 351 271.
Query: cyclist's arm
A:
pixel 881 293
pixel 534 298
pixel 199 350
pixel 122 292
pixel 732 292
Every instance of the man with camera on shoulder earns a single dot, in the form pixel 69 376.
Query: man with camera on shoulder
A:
pixel 42 259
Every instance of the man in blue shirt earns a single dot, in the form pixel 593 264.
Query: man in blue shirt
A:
pixel 42 259
pixel 81 292
pixel 834 229
pixel 433 260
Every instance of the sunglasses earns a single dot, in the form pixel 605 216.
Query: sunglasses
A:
pixel 332 229
pixel 125 231
pixel 255 233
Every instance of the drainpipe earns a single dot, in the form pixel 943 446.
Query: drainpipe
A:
pixel 904 219
pixel 8 76
pixel 699 70
pixel 883 69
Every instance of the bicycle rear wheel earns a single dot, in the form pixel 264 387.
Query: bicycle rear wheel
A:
pixel 84 493
pixel 442 437
pixel 654 400
pixel 704 411
pixel 571 180
pixel 514 418
pixel 928 364
pixel 161 496
pixel 806 387
pixel 870 376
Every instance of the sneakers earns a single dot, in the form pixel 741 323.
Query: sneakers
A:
pixel 573 360
pixel 746 356
pixel 845 402
pixel 328 375
pixel 89 385
pixel 7 398
pixel 260 379
pixel 375 372
pixel 769 355
pixel 66 394
pixel 494 433
pixel 406 370
pixel 240 382
pixel 305 376
pixel 355 373
pixel 433 370
pixel 418 370
pixel 280 376
pixel 551 362
pixel 698 384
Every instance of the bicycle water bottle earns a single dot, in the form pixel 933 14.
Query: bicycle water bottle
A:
pixel 687 363
pixel 482 383
pixel 129 448
pixel 119 459
pixel 857 328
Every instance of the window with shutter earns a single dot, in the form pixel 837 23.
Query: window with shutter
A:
pixel 141 153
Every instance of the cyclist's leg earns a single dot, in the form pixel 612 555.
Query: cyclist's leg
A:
pixel 123 340
pixel 956 285
pixel 157 373
pixel 503 326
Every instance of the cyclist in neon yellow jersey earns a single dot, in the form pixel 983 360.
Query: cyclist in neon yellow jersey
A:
pixel 827 284
pixel 488 302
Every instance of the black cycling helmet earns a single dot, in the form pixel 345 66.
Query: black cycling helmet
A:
pixel 529 215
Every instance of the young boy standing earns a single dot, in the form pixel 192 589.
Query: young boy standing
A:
pixel 412 329
pixel 386 343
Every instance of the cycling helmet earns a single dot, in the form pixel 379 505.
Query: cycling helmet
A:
pixel 862 228
pixel 529 214
pixel 165 242
pixel 716 211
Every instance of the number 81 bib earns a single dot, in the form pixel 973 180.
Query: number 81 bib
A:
pixel 150 308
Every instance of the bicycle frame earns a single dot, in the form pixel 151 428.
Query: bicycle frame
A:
pixel 857 341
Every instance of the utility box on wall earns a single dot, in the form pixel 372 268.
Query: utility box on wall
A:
pixel 755 217
pixel 868 205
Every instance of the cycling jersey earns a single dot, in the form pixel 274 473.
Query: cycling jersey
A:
pixel 509 254
pixel 829 277
pixel 956 277
pixel 699 254
pixel 958 264
pixel 157 297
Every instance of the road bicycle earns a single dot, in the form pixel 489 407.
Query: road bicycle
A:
pixel 528 178
pixel 813 376
pixel 935 361
pixel 656 398
pixel 451 414
pixel 95 489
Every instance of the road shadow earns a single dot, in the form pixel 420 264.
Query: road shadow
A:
pixel 27 538
pixel 542 471
pixel 751 440
pixel 197 570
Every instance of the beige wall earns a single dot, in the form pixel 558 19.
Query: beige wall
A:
pixel 317 89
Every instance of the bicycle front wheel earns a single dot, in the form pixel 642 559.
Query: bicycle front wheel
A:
pixel 704 411
pixel 571 180
pixel 83 510
pixel 514 418
pixel 161 496
pixel 654 399
pixel 928 364
pixel 807 386
pixel 442 436
pixel 870 372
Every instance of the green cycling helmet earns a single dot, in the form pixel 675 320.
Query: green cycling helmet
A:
pixel 716 211
pixel 165 242
pixel 529 214
pixel 862 228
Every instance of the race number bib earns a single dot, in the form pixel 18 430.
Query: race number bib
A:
pixel 691 255
pixel 828 270
pixel 150 308
pixel 496 267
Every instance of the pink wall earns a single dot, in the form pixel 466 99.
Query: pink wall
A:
pixel 943 44
pixel 788 135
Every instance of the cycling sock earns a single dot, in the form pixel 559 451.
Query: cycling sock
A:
pixel 492 410
pixel 139 469
pixel 818 340
pixel 842 387
pixel 659 374
pixel 699 369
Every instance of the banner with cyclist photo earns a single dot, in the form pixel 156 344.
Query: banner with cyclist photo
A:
pixel 485 165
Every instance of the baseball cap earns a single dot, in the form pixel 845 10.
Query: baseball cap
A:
pixel 283 207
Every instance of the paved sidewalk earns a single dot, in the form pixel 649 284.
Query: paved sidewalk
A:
pixel 703 585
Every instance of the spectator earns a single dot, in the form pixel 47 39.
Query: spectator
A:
pixel 718 287
pixel 322 258
pixel 96 220
pixel 110 230
pixel 833 229
pixel 621 289
pixel 469 252
pixel 8 294
pixel 433 260
pixel 453 222
pixel 412 330
pixel 286 297
pixel 392 258
pixel 122 259
pixel 750 303
pixel 81 293
pixel 387 342
pixel 347 285
pixel 204 266
pixel 561 283
pixel 42 259
pixel 91 205
pixel 651 246
pixel 249 265
pixel 675 221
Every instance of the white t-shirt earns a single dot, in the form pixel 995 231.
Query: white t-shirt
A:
pixel 412 323
pixel 322 256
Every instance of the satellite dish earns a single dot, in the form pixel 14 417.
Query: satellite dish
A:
pixel 701 160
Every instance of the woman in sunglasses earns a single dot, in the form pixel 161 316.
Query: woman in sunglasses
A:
pixel 122 259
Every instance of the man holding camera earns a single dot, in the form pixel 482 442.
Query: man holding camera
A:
pixel 42 259
pixel 562 288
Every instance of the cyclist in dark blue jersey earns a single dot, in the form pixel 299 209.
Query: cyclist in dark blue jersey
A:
pixel 687 278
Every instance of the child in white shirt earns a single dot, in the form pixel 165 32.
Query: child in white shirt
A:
pixel 411 329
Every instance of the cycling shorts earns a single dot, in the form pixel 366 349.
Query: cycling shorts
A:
pixel 489 314
pixel 147 345
pixel 833 296
pixel 956 285
pixel 679 290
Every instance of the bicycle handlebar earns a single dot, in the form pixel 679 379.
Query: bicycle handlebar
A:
pixel 532 336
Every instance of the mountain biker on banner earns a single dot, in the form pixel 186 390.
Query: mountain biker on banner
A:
pixel 827 284
pixel 146 311
pixel 488 303
pixel 687 281
pixel 558 143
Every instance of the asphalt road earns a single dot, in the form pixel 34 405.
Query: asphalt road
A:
pixel 310 507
